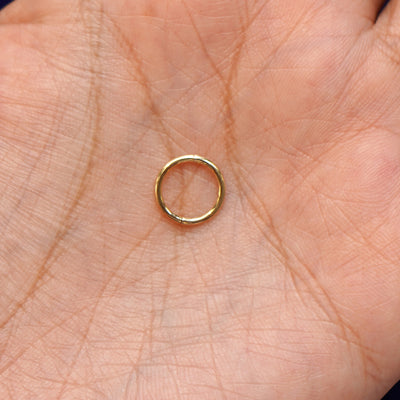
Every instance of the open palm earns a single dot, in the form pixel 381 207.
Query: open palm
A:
pixel 292 291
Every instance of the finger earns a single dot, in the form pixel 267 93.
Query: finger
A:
pixel 367 9
pixel 19 11
pixel 387 29
pixel 389 20
pixel 28 11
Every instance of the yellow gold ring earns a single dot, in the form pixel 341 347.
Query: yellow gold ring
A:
pixel 185 159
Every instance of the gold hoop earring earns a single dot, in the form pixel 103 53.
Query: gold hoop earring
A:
pixel 185 159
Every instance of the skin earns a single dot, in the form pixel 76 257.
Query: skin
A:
pixel 291 291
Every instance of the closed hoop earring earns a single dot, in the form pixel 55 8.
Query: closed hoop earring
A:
pixel 185 159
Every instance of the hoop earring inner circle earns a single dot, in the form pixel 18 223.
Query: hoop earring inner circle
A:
pixel 187 159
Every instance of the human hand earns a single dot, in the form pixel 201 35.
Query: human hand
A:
pixel 291 291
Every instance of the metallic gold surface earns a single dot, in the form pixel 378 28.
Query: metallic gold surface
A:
pixel 185 159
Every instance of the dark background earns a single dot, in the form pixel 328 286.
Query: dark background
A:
pixel 394 394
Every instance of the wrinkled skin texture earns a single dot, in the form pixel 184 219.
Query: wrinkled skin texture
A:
pixel 291 291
